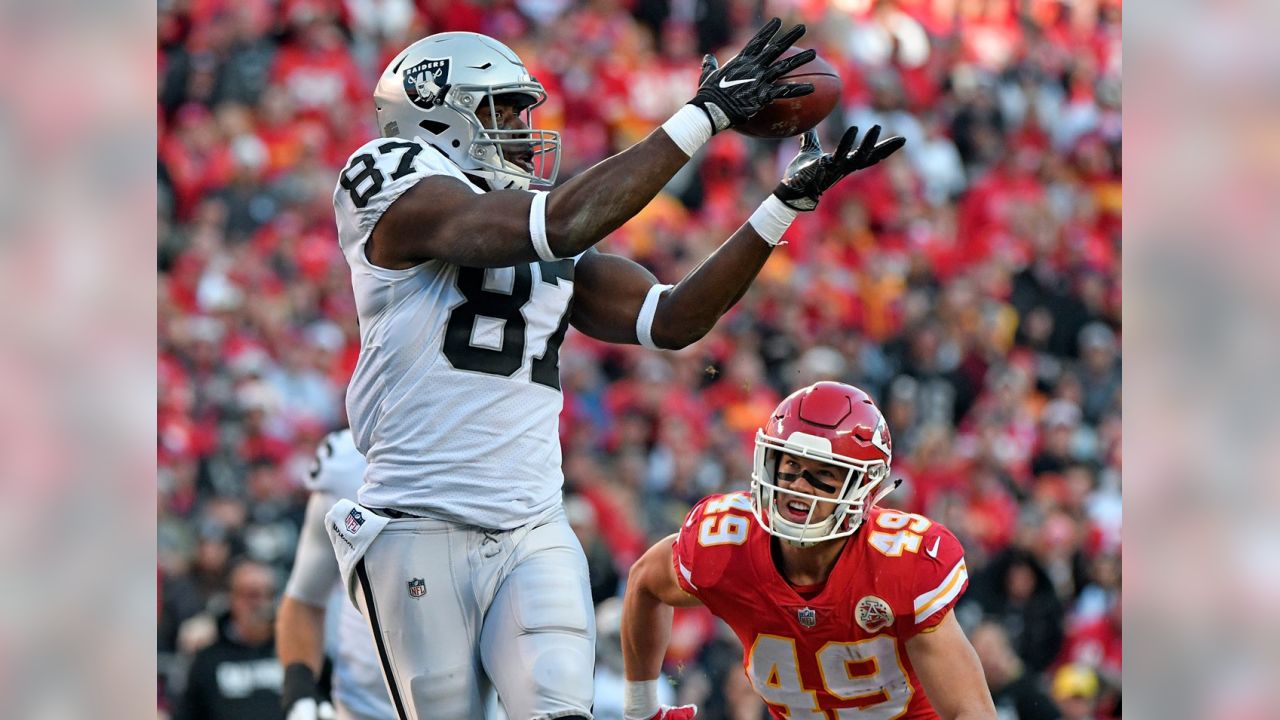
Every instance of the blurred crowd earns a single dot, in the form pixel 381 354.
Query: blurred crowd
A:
pixel 971 284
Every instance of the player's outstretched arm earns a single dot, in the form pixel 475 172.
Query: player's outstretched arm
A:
pixel 727 96
pixel 618 301
pixel 652 592
pixel 441 218
pixel 949 670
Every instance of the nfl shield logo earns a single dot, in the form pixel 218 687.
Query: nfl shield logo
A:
pixel 423 81
pixel 417 588
pixel 808 617
pixel 354 521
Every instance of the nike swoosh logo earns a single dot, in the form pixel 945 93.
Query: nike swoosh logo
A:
pixel 933 551
pixel 726 83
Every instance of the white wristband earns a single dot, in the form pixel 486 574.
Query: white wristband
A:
pixel 538 227
pixel 772 219
pixel 639 699
pixel 689 128
pixel 644 321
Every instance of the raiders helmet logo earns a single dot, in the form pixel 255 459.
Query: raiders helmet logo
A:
pixel 423 81
pixel 873 614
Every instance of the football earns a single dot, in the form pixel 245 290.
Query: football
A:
pixel 787 117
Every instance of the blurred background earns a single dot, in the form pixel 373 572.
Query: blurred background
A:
pixel 971 284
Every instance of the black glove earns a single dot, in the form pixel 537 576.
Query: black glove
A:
pixel 811 173
pixel 731 94
pixel 300 696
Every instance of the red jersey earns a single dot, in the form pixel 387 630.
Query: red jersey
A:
pixel 840 653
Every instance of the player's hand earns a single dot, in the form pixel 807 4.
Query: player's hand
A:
pixel 683 712
pixel 300 696
pixel 813 172
pixel 731 93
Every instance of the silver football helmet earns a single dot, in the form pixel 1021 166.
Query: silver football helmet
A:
pixel 433 89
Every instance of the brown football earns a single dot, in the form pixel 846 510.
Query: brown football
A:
pixel 788 117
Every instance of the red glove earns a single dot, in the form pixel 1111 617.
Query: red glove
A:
pixel 684 712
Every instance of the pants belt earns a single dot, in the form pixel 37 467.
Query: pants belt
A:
pixel 395 514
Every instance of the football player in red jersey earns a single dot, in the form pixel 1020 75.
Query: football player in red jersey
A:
pixel 843 607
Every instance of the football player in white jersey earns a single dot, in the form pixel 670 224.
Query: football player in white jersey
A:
pixel 458 553
pixel 315 617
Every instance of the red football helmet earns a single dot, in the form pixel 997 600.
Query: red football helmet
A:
pixel 832 423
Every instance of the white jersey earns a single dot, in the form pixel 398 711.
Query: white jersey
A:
pixel 455 400
pixel 358 687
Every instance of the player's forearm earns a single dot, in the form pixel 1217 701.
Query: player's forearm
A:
pixel 593 204
pixel 978 710
pixel 300 634
pixel 951 673
pixel 977 714
pixel 646 630
pixel 974 701
pixel 689 311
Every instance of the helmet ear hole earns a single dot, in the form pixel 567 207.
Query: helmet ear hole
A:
pixel 435 127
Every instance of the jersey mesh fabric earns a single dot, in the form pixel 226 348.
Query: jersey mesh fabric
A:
pixel 466 445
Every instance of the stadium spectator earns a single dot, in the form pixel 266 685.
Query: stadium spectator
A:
pixel 1016 592
pixel 1015 691
pixel 600 563
pixel 237 677
pixel 1075 689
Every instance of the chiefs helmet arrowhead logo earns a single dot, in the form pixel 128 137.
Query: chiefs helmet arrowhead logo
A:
pixel 881 439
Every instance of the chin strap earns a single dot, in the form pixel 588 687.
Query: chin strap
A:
pixel 825 528
pixel 884 492
pixel 878 497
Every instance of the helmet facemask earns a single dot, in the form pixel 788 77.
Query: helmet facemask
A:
pixel 861 479
pixel 541 146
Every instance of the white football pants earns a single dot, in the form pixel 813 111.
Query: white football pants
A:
pixel 454 608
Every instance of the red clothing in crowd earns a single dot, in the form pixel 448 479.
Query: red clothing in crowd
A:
pixel 1096 643
pixel 317 78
